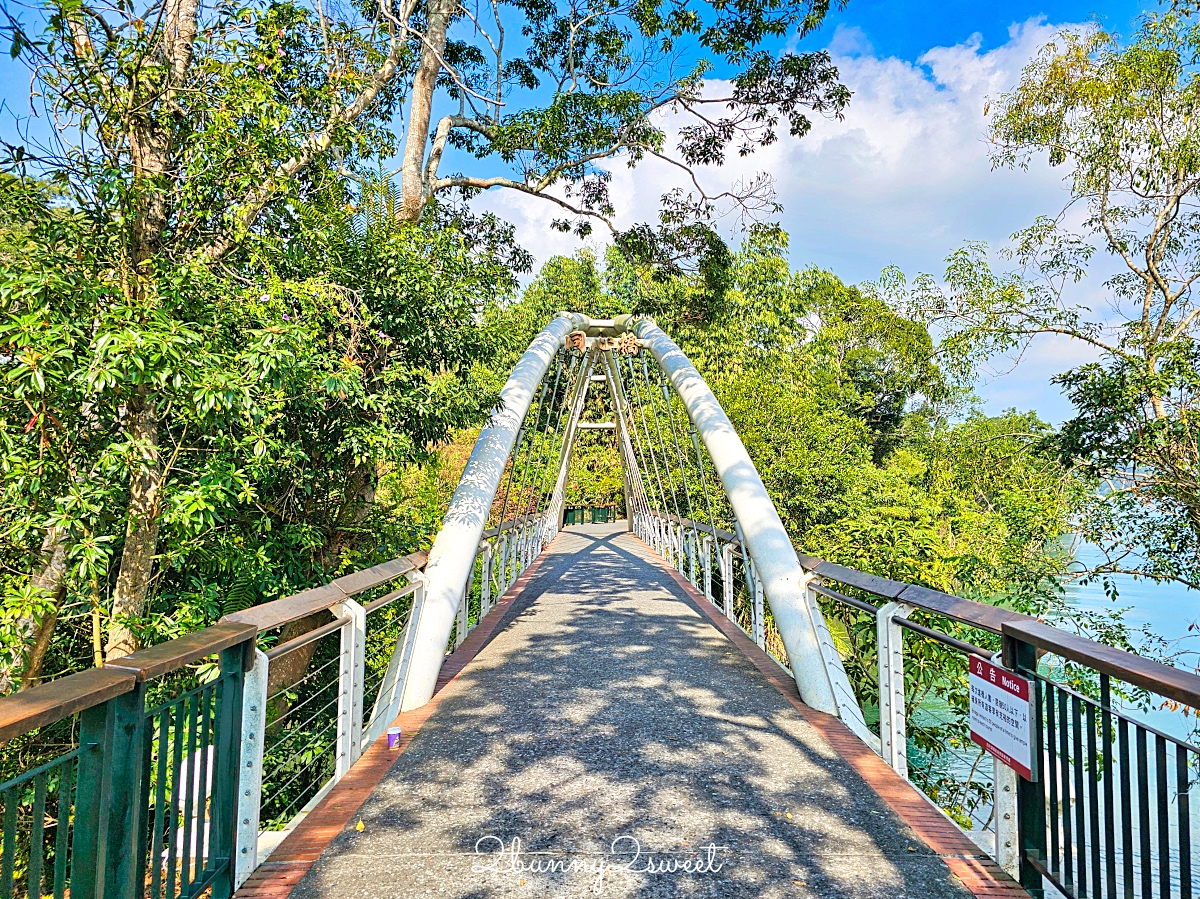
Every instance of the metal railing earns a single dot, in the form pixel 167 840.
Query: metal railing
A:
pixel 1115 793
pixel 139 805
pixel 503 555
pixel 169 762
pixel 1108 811
pixel 589 514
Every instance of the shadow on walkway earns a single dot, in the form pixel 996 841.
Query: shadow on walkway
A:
pixel 613 731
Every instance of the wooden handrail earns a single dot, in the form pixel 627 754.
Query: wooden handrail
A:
pixel 147 664
pixel 279 612
pixel 966 611
pixel 1173 683
pixel 52 701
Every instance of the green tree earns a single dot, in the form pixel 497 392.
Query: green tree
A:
pixel 284 393
pixel 193 140
pixel 1122 120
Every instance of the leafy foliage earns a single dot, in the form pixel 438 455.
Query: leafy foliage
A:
pixel 1121 121
pixel 282 406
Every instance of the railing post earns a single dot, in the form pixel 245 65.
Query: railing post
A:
pixel 86 862
pixel 250 767
pixel 460 625
pixel 224 825
pixel 727 579
pixel 121 849
pixel 693 574
pixel 498 564
pixel 510 559
pixel 485 586
pixel 1004 804
pixel 706 566
pixel 893 728
pixel 756 591
pixel 351 673
pixel 1021 657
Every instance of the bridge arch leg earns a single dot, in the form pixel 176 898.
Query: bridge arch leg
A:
pixel 453 554
pixel 785 583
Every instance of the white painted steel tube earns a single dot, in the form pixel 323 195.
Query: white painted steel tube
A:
pixel 775 561
pixel 451 558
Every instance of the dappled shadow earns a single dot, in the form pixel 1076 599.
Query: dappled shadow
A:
pixel 606 709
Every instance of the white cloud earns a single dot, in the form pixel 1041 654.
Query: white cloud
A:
pixel 903 179
pixel 906 177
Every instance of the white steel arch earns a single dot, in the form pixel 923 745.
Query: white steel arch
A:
pixel 452 558
pixel 814 661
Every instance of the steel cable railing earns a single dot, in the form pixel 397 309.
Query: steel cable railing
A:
pixel 177 752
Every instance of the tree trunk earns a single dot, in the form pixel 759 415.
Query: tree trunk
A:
pixel 287 669
pixel 141 530
pixel 36 631
pixel 41 643
pixel 357 502
pixel 414 188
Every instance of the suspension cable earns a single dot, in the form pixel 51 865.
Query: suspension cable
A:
pixel 542 431
pixel 530 437
pixel 575 411
pixel 634 483
pixel 661 440
pixel 640 460
pixel 649 441
pixel 662 380
pixel 687 490
pixel 712 520
pixel 545 485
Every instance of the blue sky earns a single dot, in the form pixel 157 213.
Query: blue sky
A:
pixel 909 29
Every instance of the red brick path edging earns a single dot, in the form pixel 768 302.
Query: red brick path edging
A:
pixel 284 868
pixel 973 867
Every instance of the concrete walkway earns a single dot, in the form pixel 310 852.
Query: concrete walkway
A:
pixel 622 746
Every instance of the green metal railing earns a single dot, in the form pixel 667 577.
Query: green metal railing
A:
pixel 147 778
pixel 38 809
pixel 143 804
pixel 189 797
pixel 589 515
pixel 1108 811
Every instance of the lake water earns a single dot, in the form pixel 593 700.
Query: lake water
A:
pixel 1165 609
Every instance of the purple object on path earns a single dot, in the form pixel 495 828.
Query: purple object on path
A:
pixel 393 734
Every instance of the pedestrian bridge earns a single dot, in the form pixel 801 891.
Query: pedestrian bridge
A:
pixel 665 705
